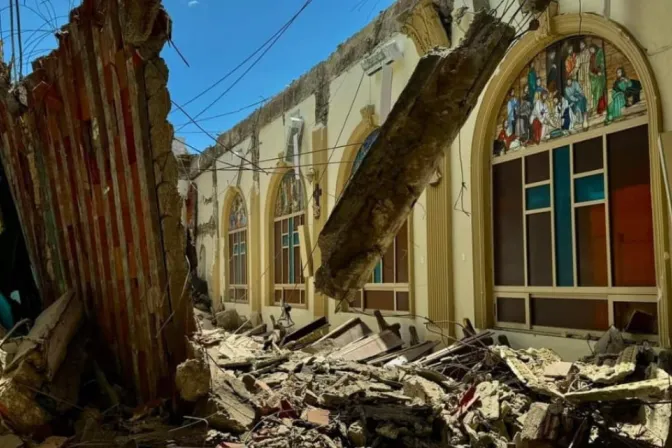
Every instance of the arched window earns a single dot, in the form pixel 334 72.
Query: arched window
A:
pixel 237 239
pixel 388 288
pixel 571 194
pixel 289 215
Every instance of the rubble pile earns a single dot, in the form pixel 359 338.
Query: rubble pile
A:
pixel 354 388
pixel 334 387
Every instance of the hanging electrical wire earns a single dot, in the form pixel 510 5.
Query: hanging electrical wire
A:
pixel 254 63
pixel 248 58
pixel 18 26
pixel 11 26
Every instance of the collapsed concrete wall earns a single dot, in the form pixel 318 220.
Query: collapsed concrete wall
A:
pixel 86 145
pixel 428 115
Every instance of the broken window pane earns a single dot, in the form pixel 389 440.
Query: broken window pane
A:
pixel 636 317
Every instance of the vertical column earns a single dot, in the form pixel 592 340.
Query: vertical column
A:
pixel 439 251
pixel 320 207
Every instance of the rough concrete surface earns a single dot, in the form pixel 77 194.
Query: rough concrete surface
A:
pixel 429 113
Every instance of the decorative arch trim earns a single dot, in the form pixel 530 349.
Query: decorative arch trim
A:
pixel 365 127
pixel 281 169
pixel 230 195
pixel 560 27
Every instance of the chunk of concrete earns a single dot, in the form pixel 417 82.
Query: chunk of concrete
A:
pixel 435 104
pixel 605 374
pixel 225 412
pixel 193 379
pixel 228 319
pixel 427 392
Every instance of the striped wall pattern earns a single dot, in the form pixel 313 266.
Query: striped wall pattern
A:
pixel 87 150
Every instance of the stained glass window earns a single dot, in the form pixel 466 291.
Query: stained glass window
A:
pixel 388 288
pixel 289 216
pixel 572 217
pixel 574 85
pixel 237 245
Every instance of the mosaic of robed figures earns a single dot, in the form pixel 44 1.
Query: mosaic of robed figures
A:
pixel 573 85
pixel 238 215
pixel 290 195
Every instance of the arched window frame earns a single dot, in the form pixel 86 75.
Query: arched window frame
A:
pixel 485 127
pixel 289 283
pixel 378 294
pixel 237 251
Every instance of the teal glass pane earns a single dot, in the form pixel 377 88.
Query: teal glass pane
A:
pixel 538 197
pixel 378 273
pixel 562 199
pixel 291 265
pixel 285 240
pixel 235 249
pixel 242 248
pixel 296 238
pixel 589 188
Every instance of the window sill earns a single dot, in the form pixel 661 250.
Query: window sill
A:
pixel 577 334
pixel 391 314
pixel 295 306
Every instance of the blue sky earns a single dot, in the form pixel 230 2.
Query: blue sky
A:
pixel 215 36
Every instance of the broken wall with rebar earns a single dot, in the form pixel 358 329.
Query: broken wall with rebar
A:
pixel 86 146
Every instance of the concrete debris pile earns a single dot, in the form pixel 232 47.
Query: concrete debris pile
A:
pixel 351 387
pixel 340 387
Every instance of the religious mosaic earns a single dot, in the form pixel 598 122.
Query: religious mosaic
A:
pixel 238 215
pixel 574 85
pixel 364 150
pixel 290 197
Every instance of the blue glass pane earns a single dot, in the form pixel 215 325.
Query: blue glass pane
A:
pixel 589 188
pixel 285 240
pixel 296 238
pixel 378 273
pixel 562 199
pixel 364 149
pixel 538 197
pixel 291 266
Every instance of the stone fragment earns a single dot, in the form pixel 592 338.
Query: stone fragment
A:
pixel 316 416
pixel 225 412
pixel 193 379
pixel 228 319
pixel 487 394
pixel 427 392
pixel 609 374
pixel 558 369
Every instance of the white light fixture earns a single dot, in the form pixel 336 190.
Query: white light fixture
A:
pixel 385 55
